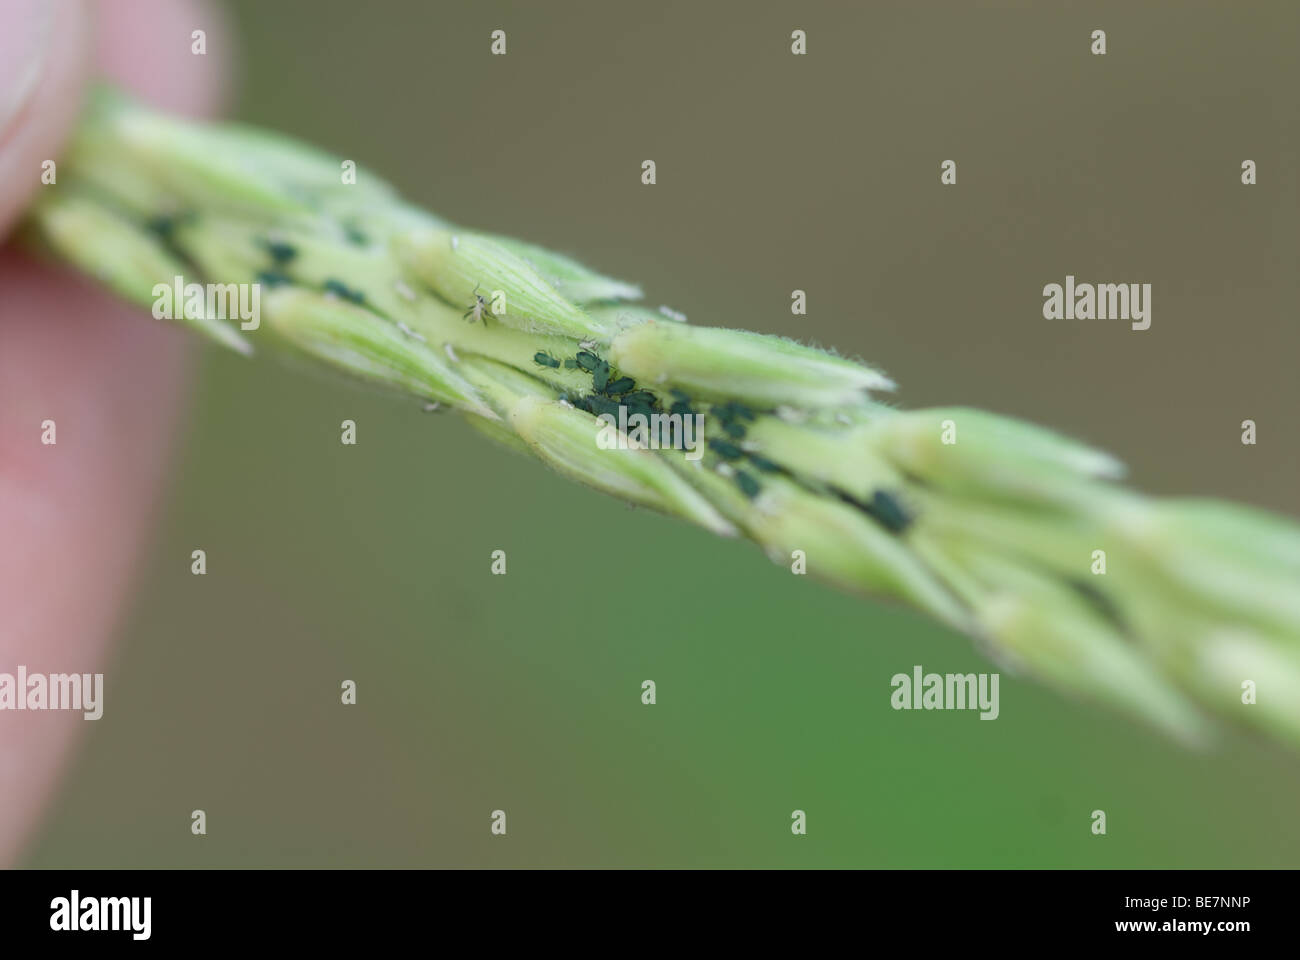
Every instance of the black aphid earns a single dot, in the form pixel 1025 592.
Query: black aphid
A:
pixel 886 508
pixel 281 253
pixel 641 397
pixel 728 451
pixel 273 278
pixel 163 225
pixel 598 405
pixel 733 411
pixel 765 465
pixel 344 291
pixel 748 485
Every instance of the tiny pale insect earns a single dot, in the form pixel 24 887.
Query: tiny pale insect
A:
pixel 477 308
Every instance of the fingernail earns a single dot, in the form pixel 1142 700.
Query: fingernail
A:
pixel 25 27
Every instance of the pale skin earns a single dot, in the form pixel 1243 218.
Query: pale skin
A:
pixel 76 516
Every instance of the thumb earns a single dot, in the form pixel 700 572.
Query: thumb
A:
pixel 44 61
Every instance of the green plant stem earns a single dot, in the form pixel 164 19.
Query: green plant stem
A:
pixel 986 523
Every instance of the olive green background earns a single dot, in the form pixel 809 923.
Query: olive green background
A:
pixel 775 172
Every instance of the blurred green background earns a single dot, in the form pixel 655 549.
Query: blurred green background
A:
pixel 775 172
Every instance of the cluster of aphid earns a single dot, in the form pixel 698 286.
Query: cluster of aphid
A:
pixel 608 392
pixel 611 392
pixel 734 416
pixel 741 464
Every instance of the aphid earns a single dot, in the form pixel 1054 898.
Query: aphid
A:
pixel 638 408
pixel 280 251
pixel 733 410
pixel 599 405
pixel 886 508
pixel 641 397
pixel 273 278
pixel 342 290
pixel 409 332
pixel 355 236
pixel 764 464
pixel 475 311
pixel 432 406
pixel 570 363
pixel 728 451
pixel 748 485
pixel 545 359
pixel 600 377
pixel 165 224
pixel 734 429
pixel 621 385
pixel 588 361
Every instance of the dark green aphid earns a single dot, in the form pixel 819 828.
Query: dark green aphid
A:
pixel 621 385
pixel 281 253
pixel 748 485
pixel 765 465
pixel 600 377
pixel 546 360
pixel 273 278
pixel 734 410
pixel 680 395
pixel 598 405
pixel 728 451
pixel 641 408
pixel 570 363
pixel 582 403
pixel 342 290
pixel 163 225
pixel 734 429
pixel 589 361
pixel 641 397
pixel 682 408
pixel 355 236
pixel 886 508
